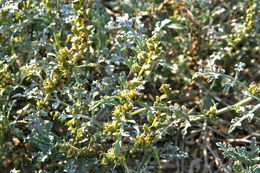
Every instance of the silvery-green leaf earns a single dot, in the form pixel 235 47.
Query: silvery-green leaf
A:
pixel 175 26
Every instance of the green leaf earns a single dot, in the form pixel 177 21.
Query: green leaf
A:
pixel 118 145
pixel 175 26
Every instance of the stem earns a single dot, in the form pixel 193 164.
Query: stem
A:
pixel 57 37
pixel 140 73
pixel 229 77
pixel 229 108
pixel 76 133
pixel 87 65
pixel 126 168
pixel 63 103
pixel 157 158
pixel 112 97
pixel 59 101
pixel 256 107
pixel 198 117
pixel 23 111
pixel 47 98
pixel 223 110
pixel 102 100
pixel 203 116
pixel 143 66
pixel 138 111
pixel 91 119
pixel 2 133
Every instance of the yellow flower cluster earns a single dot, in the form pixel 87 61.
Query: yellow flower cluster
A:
pixel 143 139
pixel 122 109
pixel 110 157
pixel 254 88
pixel 129 94
pixel 111 127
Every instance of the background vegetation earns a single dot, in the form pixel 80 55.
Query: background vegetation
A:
pixel 129 86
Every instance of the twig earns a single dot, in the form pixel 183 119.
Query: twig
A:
pixel 214 154
pixel 205 153
pixel 240 140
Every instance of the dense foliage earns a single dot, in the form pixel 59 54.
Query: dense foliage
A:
pixel 129 86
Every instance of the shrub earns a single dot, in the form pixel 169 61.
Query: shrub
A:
pixel 119 86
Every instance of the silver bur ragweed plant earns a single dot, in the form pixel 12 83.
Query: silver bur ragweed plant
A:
pixel 106 86
pixel 240 159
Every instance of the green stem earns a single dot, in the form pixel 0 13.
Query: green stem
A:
pixel 203 116
pixel 126 168
pixel 91 119
pixel 76 133
pixel 57 37
pixel 230 78
pixel 138 111
pixel 59 101
pixel 101 101
pixel 223 110
pixel 23 111
pixel 112 97
pixel 229 108
pixel 47 98
pixel 2 134
pixel 143 66
pixel 63 103
pixel 87 65
pixel 157 158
